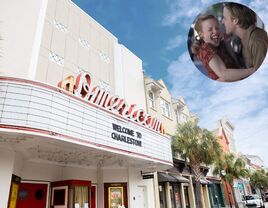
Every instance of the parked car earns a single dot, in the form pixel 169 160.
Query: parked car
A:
pixel 266 196
pixel 254 200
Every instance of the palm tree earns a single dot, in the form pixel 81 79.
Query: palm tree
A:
pixel 230 168
pixel 197 146
pixel 259 179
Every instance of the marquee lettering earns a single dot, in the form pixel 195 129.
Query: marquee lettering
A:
pixel 81 87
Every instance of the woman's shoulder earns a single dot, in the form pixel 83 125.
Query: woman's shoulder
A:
pixel 208 46
pixel 207 51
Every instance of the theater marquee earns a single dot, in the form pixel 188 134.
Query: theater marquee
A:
pixel 36 107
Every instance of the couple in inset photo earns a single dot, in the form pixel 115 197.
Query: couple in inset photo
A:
pixel 228 42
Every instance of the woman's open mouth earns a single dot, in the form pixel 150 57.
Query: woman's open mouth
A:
pixel 215 37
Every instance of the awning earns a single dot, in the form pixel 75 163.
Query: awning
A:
pixel 163 177
pixel 215 180
pixel 181 179
pixel 204 181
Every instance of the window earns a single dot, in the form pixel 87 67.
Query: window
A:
pixel 176 195
pixel 162 195
pixel 81 196
pixel 165 108
pixel 181 117
pixel 151 99
pixel 184 118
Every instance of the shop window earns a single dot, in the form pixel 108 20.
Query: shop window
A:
pixel 151 100
pixel 176 196
pixel 81 196
pixel 165 109
pixel 220 194
pixel 74 193
pixel 162 195
pixel 59 197
pixel 186 195
pixel 171 189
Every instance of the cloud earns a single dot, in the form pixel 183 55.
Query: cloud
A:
pixel 184 12
pixel 245 103
pixel 181 10
pixel 261 8
pixel 174 43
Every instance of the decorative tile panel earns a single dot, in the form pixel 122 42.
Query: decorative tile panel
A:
pixel 84 43
pixel 60 26
pixel 56 58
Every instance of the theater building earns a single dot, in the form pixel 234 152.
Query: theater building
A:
pixel 74 129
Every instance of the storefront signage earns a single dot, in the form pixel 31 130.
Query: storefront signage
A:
pixel 126 135
pixel 81 86
pixel 148 176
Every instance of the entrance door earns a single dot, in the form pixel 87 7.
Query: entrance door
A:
pixel 141 196
pixel 32 195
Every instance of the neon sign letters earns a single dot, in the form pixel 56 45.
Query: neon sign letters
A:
pixel 81 87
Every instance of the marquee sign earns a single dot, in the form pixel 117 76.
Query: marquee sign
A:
pixel 126 135
pixel 81 86
pixel 40 109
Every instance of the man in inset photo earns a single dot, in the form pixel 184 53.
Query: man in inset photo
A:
pixel 241 21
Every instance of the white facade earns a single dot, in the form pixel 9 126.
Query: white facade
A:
pixel 255 160
pixel 229 131
pixel 50 135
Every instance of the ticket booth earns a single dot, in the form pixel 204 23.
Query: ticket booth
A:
pixel 71 194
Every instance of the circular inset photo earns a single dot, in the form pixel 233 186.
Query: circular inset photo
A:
pixel 227 42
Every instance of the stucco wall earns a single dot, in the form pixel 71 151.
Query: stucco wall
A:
pixel 21 33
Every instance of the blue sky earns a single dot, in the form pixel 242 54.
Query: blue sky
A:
pixel 156 31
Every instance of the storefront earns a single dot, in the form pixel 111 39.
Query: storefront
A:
pixel 171 190
pixel 216 195
pixel 70 150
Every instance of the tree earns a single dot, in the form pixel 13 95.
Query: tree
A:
pixel 197 146
pixel 230 168
pixel 259 179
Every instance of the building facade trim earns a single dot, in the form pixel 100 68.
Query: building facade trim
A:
pixel 55 135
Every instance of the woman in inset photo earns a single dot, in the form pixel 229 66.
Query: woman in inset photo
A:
pixel 216 54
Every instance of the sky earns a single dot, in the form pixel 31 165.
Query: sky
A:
pixel 157 30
